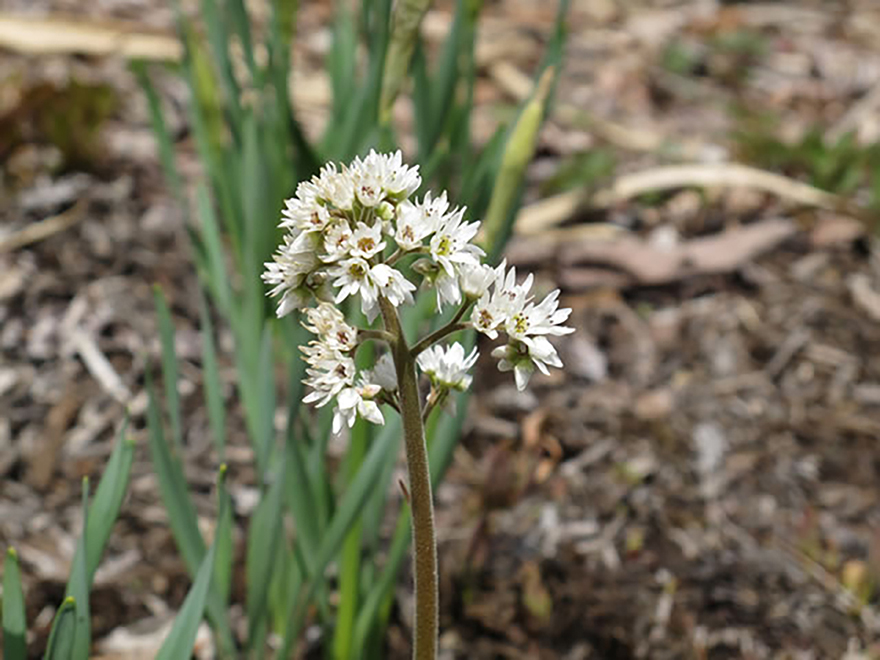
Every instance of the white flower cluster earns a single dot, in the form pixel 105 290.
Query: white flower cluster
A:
pixel 348 228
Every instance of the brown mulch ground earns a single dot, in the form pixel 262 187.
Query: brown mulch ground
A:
pixel 700 482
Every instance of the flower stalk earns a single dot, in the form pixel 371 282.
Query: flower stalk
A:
pixel 427 597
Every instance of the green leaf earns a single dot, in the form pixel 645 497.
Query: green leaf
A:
pixel 107 502
pixel 181 512
pixel 209 233
pixel 14 622
pixel 211 376
pixel 78 584
pixel 173 488
pixel 160 129
pixel 180 641
pixel 61 639
pixel 264 543
pixel 408 15
pixel 169 365
pixel 498 223
pixel 347 512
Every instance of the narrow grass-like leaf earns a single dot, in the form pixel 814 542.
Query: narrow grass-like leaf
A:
pixel 299 499
pixel 14 622
pixel 518 153
pixel 359 125
pixel 264 542
pixel 169 365
pixel 107 502
pixel 218 596
pixel 258 395
pixel 78 584
pixel 181 511
pixel 349 508
pixel 219 40
pixel 217 276
pixel 350 568
pixel 242 25
pixel 61 638
pixel 160 129
pixel 408 15
pixel 341 61
pixel 181 639
pixel 173 489
pixel 211 377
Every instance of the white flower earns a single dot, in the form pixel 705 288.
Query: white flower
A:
pixel 329 324
pixel 394 285
pixel 399 180
pixel 336 241
pixel 448 368
pixel 328 374
pixel 506 299
pixel 450 246
pixel 541 319
pixel 356 276
pixel 289 273
pixel 476 280
pixel 304 212
pixel 335 187
pixel 523 356
pixel 368 185
pixel 366 241
pixel 354 401
pixel 447 289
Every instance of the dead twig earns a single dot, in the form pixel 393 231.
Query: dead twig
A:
pixel 536 218
pixel 41 36
pixel 43 229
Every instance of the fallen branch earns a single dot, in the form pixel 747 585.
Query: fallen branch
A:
pixel 555 210
pixel 631 261
pixel 43 229
pixel 54 35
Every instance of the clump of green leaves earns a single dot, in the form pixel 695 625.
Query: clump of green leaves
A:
pixel 841 165
pixel 254 151
pixel 583 170
pixel 727 55
pixel 70 637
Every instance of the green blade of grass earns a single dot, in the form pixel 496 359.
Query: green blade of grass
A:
pixel 78 584
pixel 160 129
pixel 61 638
pixel 180 640
pixel 169 365
pixel 213 387
pixel 216 276
pixel 347 512
pixel 107 502
pixel 263 544
pixel 14 622
pixel 520 148
pixel 173 489
pixel 181 512
pixel 408 15
pixel 242 25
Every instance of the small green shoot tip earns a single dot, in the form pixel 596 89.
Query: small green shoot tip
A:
pixel 11 552
pixel 70 600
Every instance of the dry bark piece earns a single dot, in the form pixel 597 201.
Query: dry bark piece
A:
pixel 57 35
pixel 648 265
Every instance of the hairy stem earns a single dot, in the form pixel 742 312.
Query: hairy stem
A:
pixel 426 621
